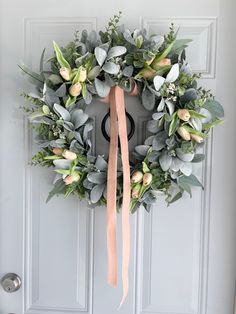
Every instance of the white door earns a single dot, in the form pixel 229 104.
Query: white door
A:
pixel 183 257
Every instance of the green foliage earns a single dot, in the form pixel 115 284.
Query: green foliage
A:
pixel 117 56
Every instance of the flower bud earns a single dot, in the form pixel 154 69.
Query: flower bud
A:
pixel 65 73
pixel 184 133
pixel 183 114
pixel 164 62
pixel 82 74
pixel 68 180
pixel 75 89
pixel 148 73
pixel 71 178
pixel 67 154
pixel 147 178
pixel 57 151
pixel 135 191
pixel 196 138
pixel 136 177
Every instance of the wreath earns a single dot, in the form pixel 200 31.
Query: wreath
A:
pixel 104 65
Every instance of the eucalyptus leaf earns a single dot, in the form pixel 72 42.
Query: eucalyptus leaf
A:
pixel 189 95
pixel 148 99
pixel 198 158
pixel 159 141
pixel 207 115
pixel 97 177
pixel 128 71
pixel 215 108
pixel 149 140
pixel 87 184
pixel 152 126
pixel 142 149
pixel 191 180
pixel 101 163
pixel 55 79
pixel 185 187
pixel 175 198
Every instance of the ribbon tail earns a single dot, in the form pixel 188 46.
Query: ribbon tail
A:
pixel 121 115
pixel 111 193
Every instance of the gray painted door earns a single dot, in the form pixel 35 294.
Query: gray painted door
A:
pixel 183 257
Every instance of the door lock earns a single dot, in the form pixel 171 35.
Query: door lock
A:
pixel 11 282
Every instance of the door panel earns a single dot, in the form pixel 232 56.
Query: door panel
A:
pixel 59 248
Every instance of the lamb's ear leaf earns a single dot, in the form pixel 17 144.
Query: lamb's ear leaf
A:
pixel 101 163
pixel 111 68
pixel 61 111
pixel 101 87
pixel 165 161
pixel 61 91
pixel 59 188
pixel 78 118
pixel 94 72
pixel 173 74
pixel 158 81
pixel 60 58
pixel 116 52
pixel 100 55
pixel 96 193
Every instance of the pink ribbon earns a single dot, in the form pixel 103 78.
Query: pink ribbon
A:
pixel 118 127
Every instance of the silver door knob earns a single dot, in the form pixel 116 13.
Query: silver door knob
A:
pixel 11 282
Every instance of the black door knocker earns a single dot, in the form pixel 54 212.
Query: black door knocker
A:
pixel 103 126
